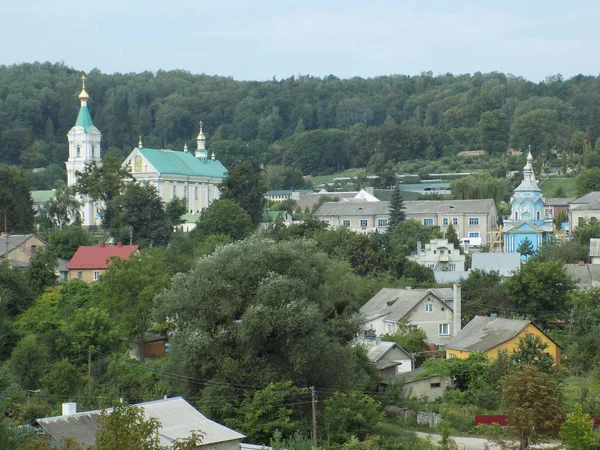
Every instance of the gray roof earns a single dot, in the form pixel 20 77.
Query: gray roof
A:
pixel 587 198
pixel 484 333
pixel 414 207
pixel 309 200
pixel 558 201
pixel 362 208
pixel 446 276
pixel 591 206
pixel 395 303
pixel 377 350
pixel 14 240
pixel 503 263
pixel 177 417
pixel 586 275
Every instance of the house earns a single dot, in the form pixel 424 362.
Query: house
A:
pixel 18 249
pixel 465 153
pixel 154 345
pixel 490 334
pixel 470 218
pixel 527 218
pixel 270 217
pixel 426 387
pixel 585 275
pixel 389 358
pixel 506 264
pixel 440 255
pixel 189 222
pixel 90 261
pixel 178 419
pixel 310 200
pixel 556 205
pixel 594 251
pixel 429 309
pixel 280 195
pixel 584 208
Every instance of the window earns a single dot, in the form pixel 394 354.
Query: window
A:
pixel 452 267
pixel 173 191
pixel 325 221
pixel 431 265
pixel 435 385
pixel 451 355
pixel 474 234
pixel 473 220
pixel 382 222
pixel 363 223
pixel 93 149
pixel 444 329
pixel 580 221
pixel 538 215
pixel 428 307
pixel 184 191
pixel 427 221
pixel 79 275
pixel 33 249
pixel 346 222
pixel 389 328
pixel 529 335
pixel 195 192
pixel 445 221
pixel 78 150
pixel 455 221
pixel 96 275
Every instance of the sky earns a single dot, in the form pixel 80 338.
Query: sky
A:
pixel 264 39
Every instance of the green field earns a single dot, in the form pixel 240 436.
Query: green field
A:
pixel 550 186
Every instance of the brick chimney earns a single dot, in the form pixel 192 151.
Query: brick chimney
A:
pixel 456 288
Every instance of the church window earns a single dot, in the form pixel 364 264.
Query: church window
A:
pixel 78 150
pixel 184 191
pixel 516 215
pixel 174 191
pixel 93 150
pixel 473 220
pixel 538 214
pixel 196 192
pixel 137 164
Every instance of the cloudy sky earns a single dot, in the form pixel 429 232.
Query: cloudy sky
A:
pixel 264 39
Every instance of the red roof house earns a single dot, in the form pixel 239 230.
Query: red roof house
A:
pixel 91 261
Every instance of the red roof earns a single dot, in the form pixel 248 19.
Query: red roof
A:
pixel 98 257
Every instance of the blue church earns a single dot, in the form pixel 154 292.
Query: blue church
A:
pixel 527 214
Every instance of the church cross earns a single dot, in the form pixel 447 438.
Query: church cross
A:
pixel 83 81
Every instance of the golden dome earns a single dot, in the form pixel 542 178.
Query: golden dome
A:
pixel 83 96
pixel 201 136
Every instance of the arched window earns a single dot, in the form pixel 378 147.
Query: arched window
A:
pixel 538 216
pixel 516 215
pixel 78 150
pixel 137 164
pixel 93 150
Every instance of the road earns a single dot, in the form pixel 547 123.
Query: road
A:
pixel 473 443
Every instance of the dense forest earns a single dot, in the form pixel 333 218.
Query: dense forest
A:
pixel 319 125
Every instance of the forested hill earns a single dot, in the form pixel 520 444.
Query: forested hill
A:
pixel 321 124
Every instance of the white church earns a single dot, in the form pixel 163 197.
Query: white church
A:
pixel 191 177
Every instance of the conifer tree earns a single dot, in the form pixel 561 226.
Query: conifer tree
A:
pixel 452 236
pixel 397 207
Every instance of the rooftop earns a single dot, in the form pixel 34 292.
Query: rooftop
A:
pixel 395 303
pixel 98 256
pixel 10 242
pixel 182 163
pixel 485 333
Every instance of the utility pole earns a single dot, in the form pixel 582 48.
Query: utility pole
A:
pixel 89 369
pixel 570 327
pixel 314 416
pixel 130 235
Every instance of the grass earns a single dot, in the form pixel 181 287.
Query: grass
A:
pixel 584 389
pixel 550 186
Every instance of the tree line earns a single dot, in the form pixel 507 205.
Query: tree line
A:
pixel 318 125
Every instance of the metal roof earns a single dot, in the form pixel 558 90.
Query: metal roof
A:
pixel 395 303
pixel 353 209
pixel 587 198
pixel 376 350
pixel 84 119
pixel 557 201
pixel 503 263
pixel 586 275
pixel 484 333
pixel 182 163
pixel 98 256
pixel 10 242
pixel 40 197
pixel 177 418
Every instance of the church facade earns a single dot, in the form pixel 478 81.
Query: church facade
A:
pixel 193 177
pixel 527 219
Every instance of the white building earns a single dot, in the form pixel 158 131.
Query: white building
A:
pixel 84 147
pixel 440 255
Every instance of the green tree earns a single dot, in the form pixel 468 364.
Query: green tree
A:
pixel 41 272
pixel 60 211
pixel 494 128
pixel 533 403
pixel 482 186
pixel 397 207
pixel 348 415
pixel 13 437
pixel 410 338
pixel 530 351
pixel 28 359
pixel 576 432
pixel 245 186
pixel 16 204
pixel 588 181
pixel 538 288
pixel 223 217
pixel 138 212
pixel 264 412
pixel 65 242
pixel 61 379
pixel 103 181
pixel 126 427
pixel 128 289
pixel 525 248
pixel 452 236
pixel 586 231
pixel 482 293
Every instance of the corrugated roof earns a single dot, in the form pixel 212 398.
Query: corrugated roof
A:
pixel 557 201
pixel 177 418
pixel 587 198
pixel 376 350
pixel 353 209
pixel 394 303
pixel 97 257
pixel 484 333
pixel 182 163
pixel 586 275
pixel 503 263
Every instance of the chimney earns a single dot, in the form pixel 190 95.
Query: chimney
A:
pixel 418 247
pixel 102 244
pixel 457 309
pixel 69 408
pixel 119 244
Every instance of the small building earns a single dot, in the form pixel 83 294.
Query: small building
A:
pixel 585 275
pixel 490 335
pixel 389 358
pixel 91 261
pixel 178 419
pixel 154 345
pixel 471 153
pixel 555 205
pixel 40 198
pixel 425 387
pixel 594 251
pixel 429 309
pixel 270 217
pixel 281 195
pixel 440 255
pixel 18 249
pixel 189 222
pixel 584 208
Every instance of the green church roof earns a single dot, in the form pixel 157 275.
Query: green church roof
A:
pixel 40 197
pixel 84 119
pixel 183 163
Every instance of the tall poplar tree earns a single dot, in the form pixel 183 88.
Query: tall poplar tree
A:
pixel 397 208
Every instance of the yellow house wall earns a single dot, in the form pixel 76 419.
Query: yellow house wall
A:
pixel 87 275
pixel 511 344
